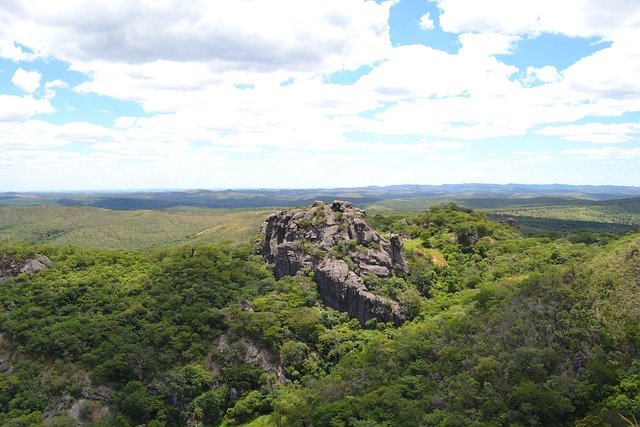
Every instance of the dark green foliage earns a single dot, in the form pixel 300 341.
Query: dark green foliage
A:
pixel 136 402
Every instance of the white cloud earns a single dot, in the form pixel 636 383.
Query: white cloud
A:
pixel 610 76
pixel 245 34
pixel 27 81
pixel 40 134
pixel 143 149
pixel 546 74
pixel 604 153
pixel 187 70
pixel 57 83
pixel 464 96
pixel 124 122
pixel 185 76
pixel 16 108
pixel 426 23
pixel 9 50
pixel 599 133
pixel 574 18
pixel 409 75
pixel 50 92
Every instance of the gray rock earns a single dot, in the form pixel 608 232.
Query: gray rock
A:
pixel 102 393
pixel 344 290
pixel 32 266
pixel 335 241
pixel 10 267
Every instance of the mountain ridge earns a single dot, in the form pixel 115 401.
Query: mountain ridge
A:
pixel 360 196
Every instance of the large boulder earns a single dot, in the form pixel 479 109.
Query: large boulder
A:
pixel 10 267
pixel 335 242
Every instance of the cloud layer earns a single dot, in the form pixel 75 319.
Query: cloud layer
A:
pixel 301 87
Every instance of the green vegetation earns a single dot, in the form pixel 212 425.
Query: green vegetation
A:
pixel 505 329
pixel 130 321
pixel 165 219
pixel 616 216
pixel 93 227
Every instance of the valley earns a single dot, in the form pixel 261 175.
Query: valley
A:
pixel 487 310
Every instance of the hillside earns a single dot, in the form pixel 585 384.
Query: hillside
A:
pixel 140 229
pixel 143 229
pixel 502 329
pixel 139 220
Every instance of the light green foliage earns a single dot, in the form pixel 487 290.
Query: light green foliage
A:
pixel 319 216
pixel 248 407
pixel 142 229
pixel 61 421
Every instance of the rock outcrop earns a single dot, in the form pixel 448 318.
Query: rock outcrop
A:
pixel 10 267
pixel 335 242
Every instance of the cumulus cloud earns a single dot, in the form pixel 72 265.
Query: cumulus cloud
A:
pixel 27 81
pixel 188 78
pixel 546 74
pixel 610 75
pixel 426 23
pixel 50 87
pixel 256 34
pixel 190 70
pixel 9 50
pixel 16 108
pixel 57 83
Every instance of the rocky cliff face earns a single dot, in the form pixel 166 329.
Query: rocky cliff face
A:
pixel 335 242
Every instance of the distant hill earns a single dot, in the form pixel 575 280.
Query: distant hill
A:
pixel 395 196
pixel 140 220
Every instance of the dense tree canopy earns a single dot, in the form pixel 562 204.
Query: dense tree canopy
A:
pixel 504 329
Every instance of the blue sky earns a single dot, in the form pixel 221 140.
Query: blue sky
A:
pixel 294 94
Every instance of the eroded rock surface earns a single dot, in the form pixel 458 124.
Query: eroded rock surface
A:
pixel 336 243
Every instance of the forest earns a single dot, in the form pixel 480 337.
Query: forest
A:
pixel 504 328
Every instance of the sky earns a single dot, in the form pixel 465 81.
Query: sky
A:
pixel 150 94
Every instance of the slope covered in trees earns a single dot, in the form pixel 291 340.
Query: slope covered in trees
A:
pixel 503 329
